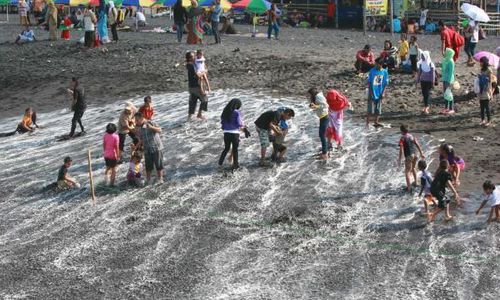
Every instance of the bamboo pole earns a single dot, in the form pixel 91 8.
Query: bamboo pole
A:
pixel 91 178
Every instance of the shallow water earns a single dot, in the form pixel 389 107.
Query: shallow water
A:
pixel 303 229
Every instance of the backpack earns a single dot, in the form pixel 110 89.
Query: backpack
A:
pixel 336 101
pixel 458 40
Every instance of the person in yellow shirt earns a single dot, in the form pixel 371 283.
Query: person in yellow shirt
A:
pixel 404 46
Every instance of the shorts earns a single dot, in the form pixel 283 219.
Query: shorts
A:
pixel 153 160
pixel 374 107
pixel 442 200
pixel 410 163
pixel 110 163
pixel 263 137
pixel 63 185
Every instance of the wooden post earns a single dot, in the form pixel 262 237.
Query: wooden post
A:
pixel 364 17
pixel 91 178
pixel 392 17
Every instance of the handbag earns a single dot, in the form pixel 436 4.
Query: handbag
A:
pixel 448 95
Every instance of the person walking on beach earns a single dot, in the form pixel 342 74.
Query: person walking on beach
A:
pixel 79 106
pixel 195 91
pixel 448 77
pixel 426 76
pixel 180 19
pixel 450 39
pixel 216 12
pixel 319 105
pixel 232 125
pixel 126 126
pixel 111 152
pixel 194 26
pixel 492 196
pixel 330 7
pixel 150 141
pixel 89 21
pixel 407 148
pixel 267 125
pixel 102 23
pixel 485 80
pixel 272 21
pixel 51 20
pixel 64 181
pixel 471 32
pixel 378 79
pixel 22 10
pixel 113 20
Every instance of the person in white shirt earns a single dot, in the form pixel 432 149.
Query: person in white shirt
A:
pixel 140 19
pixel 201 71
pixel 319 105
pixel 491 196
pixel 26 36
pixel 89 21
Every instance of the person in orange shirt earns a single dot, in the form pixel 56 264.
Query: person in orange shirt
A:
pixel 147 109
pixel 28 123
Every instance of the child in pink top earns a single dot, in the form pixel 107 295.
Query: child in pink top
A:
pixel 111 143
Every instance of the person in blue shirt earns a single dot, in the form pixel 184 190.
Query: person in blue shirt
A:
pixel 378 79
pixel 216 12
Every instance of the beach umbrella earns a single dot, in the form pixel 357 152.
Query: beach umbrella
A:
pixel 475 13
pixel 254 6
pixel 145 3
pixel 493 59
pixel 226 5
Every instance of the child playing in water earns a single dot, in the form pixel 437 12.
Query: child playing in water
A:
pixel 111 147
pixel 425 183
pixel 279 148
pixel 407 145
pixel 147 109
pixel 438 190
pixel 456 163
pixel 134 175
pixel 201 71
pixel 491 195
pixel 64 181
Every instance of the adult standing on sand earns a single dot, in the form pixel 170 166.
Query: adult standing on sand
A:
pixel 89 21
pixel 195 91
pixel 102 24
pixel 216 12
pixel 51 20
pixel 330 7
pixel 272 22
pixel 180 19
pixel 378 79
pixel 195 31
pixel 23 12
pixel 79 106
pixel 113 20
pixel 150 140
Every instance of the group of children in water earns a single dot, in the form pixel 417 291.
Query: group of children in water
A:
pixel 446 176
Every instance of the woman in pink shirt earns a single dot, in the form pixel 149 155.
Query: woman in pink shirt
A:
pixel 111 143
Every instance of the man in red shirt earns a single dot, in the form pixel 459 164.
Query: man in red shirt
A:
pixel 330 13
pixel 365 60
pixel 447 40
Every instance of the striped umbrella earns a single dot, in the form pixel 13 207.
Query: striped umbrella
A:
pixel 226 5
pixel 254 6
pixel 145 3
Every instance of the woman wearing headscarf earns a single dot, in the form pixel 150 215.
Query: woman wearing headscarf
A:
pixel 102 23
pixel 51 20
pixel 113 20
pixel 194 26
pixel 426 76
pixel 232 125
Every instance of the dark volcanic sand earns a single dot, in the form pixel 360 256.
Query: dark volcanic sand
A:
pixel 191 255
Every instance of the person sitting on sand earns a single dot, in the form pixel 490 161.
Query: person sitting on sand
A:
pixel 438 190
pixel 425 183
pixel 389 55
pixel 28 123
pixel 64 181
pixel 140 19
pixel 26 36
pixel 272 21
pixel 267 124
pixel 365 60
pixel 407 148
pixel 195 92
pixel 491 196
pixel 134 175
pixel 147 109
pixel 378 79
pixel 319 105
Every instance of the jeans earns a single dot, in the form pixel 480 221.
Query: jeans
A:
pixel 77 117
pixel 323 124
pixel 180 30
pixel 230 140
pixel 485 109
pixel 215 29
pixel 470 48
pixel 122 137
pixel 270 28
pixel 426 91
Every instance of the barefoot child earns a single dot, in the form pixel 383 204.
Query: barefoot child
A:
pixel 425 183
pixel 147 109
pixel 134 175
pixel 456 163
pixel 438 190
pixel 64 181
pixel 491 195
pixel 111 147
pixel 279 148
pixel 201 71
pixel 403 48
pixel 407 147
pixel 485 95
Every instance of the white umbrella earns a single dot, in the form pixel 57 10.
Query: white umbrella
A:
pixel 475 13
